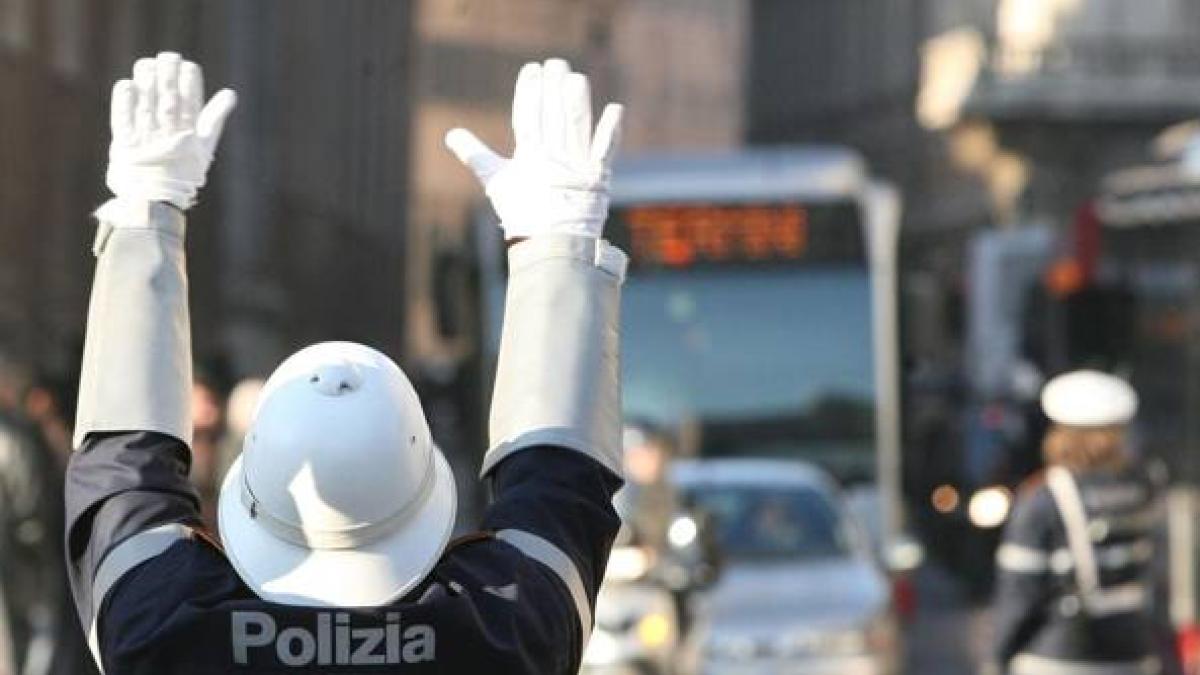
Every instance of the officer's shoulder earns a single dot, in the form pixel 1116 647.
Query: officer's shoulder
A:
pixel 1033 488
pixel 199 546
pixel 474 551
pixel 459 543
pixel 1032 496
pixel 190 571
pixel 481 558
pixel 1033 481
pixel 477 562
pixel 195 563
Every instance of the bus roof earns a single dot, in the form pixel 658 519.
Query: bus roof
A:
pixel 810 172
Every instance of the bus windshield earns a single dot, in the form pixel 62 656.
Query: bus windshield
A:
pixel 775 360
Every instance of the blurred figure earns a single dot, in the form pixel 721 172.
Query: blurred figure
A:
pixel 239 414
pixel 208 430
pixel 639 610
pixel 1072 592
pixel 647 502
pixel 39 634
pixel 43 407
pixel 775 526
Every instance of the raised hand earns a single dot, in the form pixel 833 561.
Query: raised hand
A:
pixel 557 180
pixel 163 134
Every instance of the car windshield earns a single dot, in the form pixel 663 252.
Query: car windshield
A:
pixel 758 523
pixel 773 360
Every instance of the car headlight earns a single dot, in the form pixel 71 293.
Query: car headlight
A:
pixel 653 630
pixel 682 532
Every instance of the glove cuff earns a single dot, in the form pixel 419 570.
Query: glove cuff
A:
pixel 552 209
pixel 136 214
pixel 558 376
pixel 148 184
pixel 588 228
pixel 137 369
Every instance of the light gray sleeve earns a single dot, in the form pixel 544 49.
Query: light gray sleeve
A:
pixel 558 376
pixel 137 365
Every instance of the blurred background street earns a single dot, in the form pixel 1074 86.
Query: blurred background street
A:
pixel 949 634
pixel 863 235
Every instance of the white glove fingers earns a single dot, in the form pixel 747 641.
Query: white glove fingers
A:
pixel 557 180
pixel 211 120
pixel 554 127
pixel 474 153
pixel 607 137
pixel 146 83
pixel 577 103
pixel 527 107
pixel 163 134
pixel 166 69
pixel 191 90
pixel 124 100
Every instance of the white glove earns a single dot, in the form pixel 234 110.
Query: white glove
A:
pixel 163 134
pixel 557 179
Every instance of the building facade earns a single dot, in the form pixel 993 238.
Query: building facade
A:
pixel 299 235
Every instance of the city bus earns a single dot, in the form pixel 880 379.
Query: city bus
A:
pixel 759 311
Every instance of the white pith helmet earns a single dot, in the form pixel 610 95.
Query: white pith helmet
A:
pixel 1089 398
pixel 339 498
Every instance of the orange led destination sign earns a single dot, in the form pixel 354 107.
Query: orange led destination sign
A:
pixel 682 235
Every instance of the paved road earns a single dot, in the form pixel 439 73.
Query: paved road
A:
pixel 947 636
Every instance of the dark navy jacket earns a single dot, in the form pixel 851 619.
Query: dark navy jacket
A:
pixel 487 606
pixel 1044 622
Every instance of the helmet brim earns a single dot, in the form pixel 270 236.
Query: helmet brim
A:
pixel 369 576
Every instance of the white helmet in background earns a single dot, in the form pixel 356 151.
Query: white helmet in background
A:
pixel 340 497
pixel 1089 399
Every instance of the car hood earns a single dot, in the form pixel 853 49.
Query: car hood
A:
pixel 837 592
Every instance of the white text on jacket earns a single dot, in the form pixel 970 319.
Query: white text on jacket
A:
pixel 336 640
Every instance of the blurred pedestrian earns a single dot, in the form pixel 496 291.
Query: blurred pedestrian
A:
pixel 39 634
pixel 239 415
pixel 43 407
pixel 208 430
pixel 1073 594
pixel 647 502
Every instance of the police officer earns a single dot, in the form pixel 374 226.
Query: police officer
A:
pixel 335 552
pixel 1072 594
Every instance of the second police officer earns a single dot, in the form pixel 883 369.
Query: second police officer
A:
pixel 1073 594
